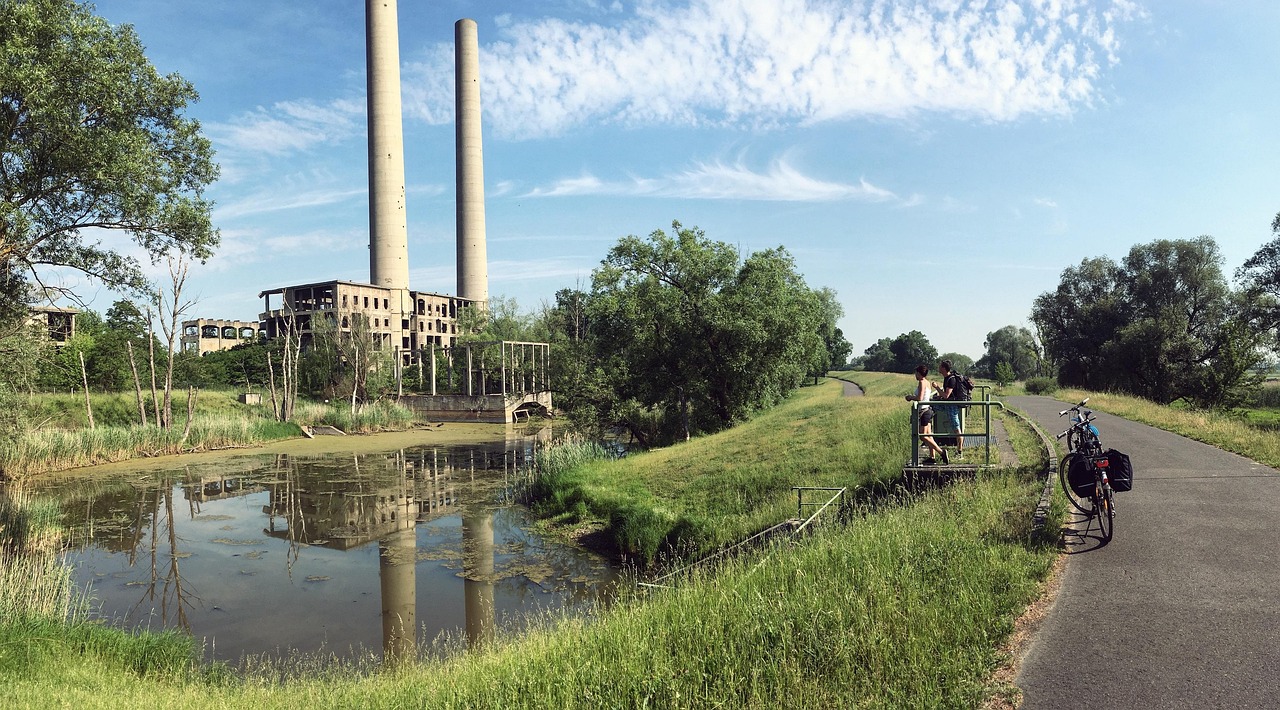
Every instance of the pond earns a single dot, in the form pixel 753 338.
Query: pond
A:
pixel 342 553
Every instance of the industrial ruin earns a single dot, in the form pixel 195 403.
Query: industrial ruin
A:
pixel 495 382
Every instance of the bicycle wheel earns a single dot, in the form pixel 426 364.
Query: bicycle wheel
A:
pixel 1077 502
pixel 1104 510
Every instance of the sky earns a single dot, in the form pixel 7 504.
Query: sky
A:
pixel 938 164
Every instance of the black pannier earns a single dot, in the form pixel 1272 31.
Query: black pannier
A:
pixel 1079 477
pixel 1119 471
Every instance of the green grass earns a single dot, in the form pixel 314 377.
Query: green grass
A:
pixel 62 438
pixel 699 495
pixel 45 450
pixel 1226 430
pixel 904 607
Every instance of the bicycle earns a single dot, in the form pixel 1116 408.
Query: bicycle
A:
pixel 1083 472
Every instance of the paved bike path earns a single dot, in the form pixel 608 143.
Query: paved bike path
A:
pixel 1182 608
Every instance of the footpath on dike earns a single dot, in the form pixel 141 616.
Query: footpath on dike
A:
pixel 1182 608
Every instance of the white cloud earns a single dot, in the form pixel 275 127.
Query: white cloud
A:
pixel 1045 202
pixel 284 197
pixel 751 63
pixel 289 127
pixel 720 181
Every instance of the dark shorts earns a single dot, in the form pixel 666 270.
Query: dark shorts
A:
pixel 926 417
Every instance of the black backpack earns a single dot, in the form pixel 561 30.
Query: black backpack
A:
pixel 961 387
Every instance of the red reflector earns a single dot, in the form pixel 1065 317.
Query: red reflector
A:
pixel 1101 463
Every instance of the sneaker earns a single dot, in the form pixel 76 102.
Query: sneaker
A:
pixel 959 455
pixel 945 461
pixel 929 461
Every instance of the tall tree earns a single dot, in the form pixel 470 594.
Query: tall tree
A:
pixel 94 142
pixel 689 342
pixel 1163 325
pixel 912 349
pixel 1015 346
pixel 1259 278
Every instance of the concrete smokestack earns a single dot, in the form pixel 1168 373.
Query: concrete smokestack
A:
pixel 473 268
pixel 388 231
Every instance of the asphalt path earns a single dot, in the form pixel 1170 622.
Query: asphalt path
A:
pixel 1182 608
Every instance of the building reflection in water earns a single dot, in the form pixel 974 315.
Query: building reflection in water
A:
pixel 391 496
pixel 239 552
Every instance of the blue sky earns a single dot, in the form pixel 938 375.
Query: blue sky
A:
pixel 938 163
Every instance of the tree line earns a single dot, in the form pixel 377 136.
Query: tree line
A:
pixel 1164 323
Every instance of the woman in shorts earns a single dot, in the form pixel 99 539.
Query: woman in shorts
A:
pixel 924 392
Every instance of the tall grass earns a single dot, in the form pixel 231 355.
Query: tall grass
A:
pixel 43 618
pixel 45 450
pixel 381 415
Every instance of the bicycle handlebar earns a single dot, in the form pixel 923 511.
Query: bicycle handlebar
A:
pixel 1080 424
pixel 1074 408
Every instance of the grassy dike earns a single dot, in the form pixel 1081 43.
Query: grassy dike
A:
pixel 903 607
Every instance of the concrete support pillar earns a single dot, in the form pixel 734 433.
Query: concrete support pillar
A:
pixel 388 222
pixel 473 269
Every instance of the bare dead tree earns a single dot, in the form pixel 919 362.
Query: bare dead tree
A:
pixel 191 413
pixel 151 359
pixel 271 379
pixel 137 386
pixel 84 377
pixel 171 310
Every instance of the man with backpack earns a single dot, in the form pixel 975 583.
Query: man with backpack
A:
pixel 956 388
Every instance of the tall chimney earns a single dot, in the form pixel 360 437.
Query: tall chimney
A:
pixel 388 231
pixel 473 269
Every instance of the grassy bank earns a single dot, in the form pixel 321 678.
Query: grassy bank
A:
pixel 701 494
pixel 904 607
pixel 61 438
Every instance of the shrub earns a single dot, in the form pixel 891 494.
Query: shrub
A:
pixel 1041 385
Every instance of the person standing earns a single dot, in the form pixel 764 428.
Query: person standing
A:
pixel 924 393
pixel 952 388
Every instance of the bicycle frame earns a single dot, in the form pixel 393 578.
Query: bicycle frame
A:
pixel 1084 444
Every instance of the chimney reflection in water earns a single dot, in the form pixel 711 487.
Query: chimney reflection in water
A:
pixel 477 571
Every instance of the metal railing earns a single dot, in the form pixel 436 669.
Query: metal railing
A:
pixel 939 406
pixel 784 527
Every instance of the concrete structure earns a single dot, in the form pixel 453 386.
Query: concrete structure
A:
pixel 207 335
pixel 59 324
pixel 419 327
pixel 388 222
pixel 473 270
pixel 420 320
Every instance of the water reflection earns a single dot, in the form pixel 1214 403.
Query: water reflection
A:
pixel 264 553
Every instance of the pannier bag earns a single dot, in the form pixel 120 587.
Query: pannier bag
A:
pixel 1078 476
pixel 1119 471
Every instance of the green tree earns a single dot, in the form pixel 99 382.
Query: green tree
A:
pixel 959 362
pixel 1015 346
pixel 912 349
pixel 94 143
pixel 835 356
pixel 879 357
pixel 688 340
pixel 1165 326
pixel 1259 278
pixel 1004 375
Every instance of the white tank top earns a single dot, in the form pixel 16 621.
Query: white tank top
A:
pixel 928 395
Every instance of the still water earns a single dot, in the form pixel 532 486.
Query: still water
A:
pixel 340 553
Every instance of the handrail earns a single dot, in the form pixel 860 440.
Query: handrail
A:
pixel 986 405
